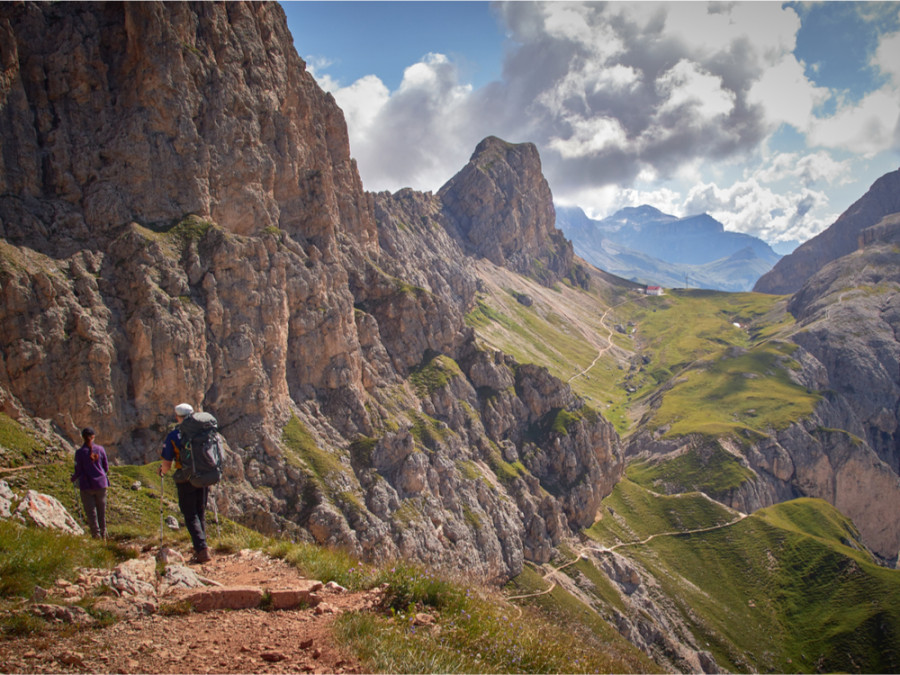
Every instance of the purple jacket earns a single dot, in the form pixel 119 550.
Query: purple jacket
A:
pixel 91 475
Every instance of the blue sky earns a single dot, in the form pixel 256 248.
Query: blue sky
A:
pixel 773 117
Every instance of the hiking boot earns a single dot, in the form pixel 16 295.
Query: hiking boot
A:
pixel 201 556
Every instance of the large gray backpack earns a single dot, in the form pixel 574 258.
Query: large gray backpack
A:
pixel 202 455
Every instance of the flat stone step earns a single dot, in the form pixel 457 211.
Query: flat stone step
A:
pixel 289 598
pixel 225 597
pixel 249 597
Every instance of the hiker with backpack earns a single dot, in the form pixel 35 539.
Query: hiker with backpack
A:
pixel 195 449
pixel 92 474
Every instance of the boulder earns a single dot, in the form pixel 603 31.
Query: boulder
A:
pixel 46 511
pixel 230 597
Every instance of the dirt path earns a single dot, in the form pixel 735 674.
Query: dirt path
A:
pixel 575 314
pixel 553 572
pixel 602 350
pixel 607 549
pixel 13 469
pixel 223 641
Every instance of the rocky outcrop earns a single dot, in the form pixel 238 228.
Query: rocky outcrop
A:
pixel 38 509
pixel 146 112
pixel 644 615
pixel 807 459
pixel 501 209
pixel 840 239
pixel 860 368
pixel 118 122
pixel 181 220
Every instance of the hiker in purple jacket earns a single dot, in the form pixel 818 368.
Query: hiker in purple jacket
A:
pixel 92 472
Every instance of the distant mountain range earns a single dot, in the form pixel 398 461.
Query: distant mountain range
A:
pixel 644 244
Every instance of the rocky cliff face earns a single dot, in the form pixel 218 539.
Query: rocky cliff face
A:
pixel 862 367
pixel 119 121
pixel 500 208
pixel 840 239
pixel 181 220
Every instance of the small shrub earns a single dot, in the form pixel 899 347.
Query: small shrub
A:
pixel 175 608
pixel 408 584
pixel 17 624
pixel 325 564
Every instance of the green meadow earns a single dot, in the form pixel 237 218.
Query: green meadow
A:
pixel 789 588
pixel 688 362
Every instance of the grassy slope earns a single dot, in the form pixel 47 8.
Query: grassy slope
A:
pixel 719 378
pixel 562 330
pixel 785 589
pixel 706 468
pixel 780 590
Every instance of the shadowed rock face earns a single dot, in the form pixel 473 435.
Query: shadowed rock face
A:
pixel 146 112
pixel 181 221
pixel 849 314
pixel 840 239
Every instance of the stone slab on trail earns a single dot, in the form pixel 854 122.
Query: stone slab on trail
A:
pixel 225 597
pixel 301 594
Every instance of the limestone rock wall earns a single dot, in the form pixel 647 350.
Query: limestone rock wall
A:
pixel 181 221
pixel 149 111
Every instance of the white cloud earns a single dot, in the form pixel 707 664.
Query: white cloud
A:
pixel 867 127
pixel 622 86
pixel 690 90
pixel 872 124
pixel 749 207
pixel 589 136
pixel 624 98
pixel 887 57
pixel 786 95
pixel 809 170
pixel 710 29
pixel 416 136
pixel 362 102
pixel 316 67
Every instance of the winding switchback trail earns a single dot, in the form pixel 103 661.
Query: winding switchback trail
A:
pixel 609 342
pixel 608 549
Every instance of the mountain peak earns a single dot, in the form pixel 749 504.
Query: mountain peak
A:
pixel 642 212
pixel 502 209
pixel 644 242
pixel 493 145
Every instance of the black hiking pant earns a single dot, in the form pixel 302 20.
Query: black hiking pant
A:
pixel 192 502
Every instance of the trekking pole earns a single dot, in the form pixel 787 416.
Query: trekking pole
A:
pixel 161 479
pixel 78 503
pixel 216 512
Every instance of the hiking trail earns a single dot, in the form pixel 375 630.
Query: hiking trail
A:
pixel 582 553
pixel 174 640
